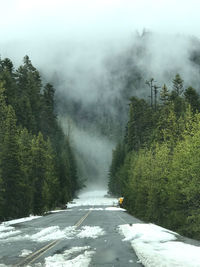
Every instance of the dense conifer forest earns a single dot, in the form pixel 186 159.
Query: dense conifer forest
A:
pixel 37 164
pixel 156 165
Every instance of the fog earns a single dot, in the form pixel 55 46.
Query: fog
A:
pixel 90 49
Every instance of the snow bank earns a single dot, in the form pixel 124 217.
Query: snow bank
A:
pixel 156 246
pixel 21 220
pixel 93 198
pixel 75 257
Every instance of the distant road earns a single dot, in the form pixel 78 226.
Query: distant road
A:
pixel 64 236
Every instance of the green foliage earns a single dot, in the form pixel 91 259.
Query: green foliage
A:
pixel 178 85
pixel 192 98
pixel 117 162
pixel 37 164
pixel 140 124
pixel 159 177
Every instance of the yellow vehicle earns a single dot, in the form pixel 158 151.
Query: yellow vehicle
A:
pixel 120 201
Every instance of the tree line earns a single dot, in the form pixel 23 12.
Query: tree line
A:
pixel 37 165
pixel 156 165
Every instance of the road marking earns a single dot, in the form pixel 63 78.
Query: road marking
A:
pixel 82 219
pixel 37 254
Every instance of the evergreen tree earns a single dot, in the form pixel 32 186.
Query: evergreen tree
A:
pixel 25 157
pixel 140 124
pixel 38 175
pixel 10 169
pixel 164 95
pixel 48 117
pixel 28 94
pixel 192 97
pixel 117 161
pixel 178 85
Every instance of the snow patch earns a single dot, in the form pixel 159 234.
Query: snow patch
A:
pixel 92 209
pixel 55 211
pixel 7 231
pixel 93 198
pixel 68 259
pixel 54 233
pixel 91 232
pixel 156 246
pixel 115 209
pixel 25 253
pixel 107 209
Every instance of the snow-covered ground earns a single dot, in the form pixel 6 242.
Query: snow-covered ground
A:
pixel 9 234
pixel 25 253
pixel 7 231
pixel 21 220
pixel 93 198
pixel 156 246
pixel 108 209
pixel 74 257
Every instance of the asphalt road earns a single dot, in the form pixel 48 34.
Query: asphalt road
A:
pixel 110 249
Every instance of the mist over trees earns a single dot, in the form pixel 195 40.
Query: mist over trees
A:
pixel 37 165
pixel 94 88
pixel 156 165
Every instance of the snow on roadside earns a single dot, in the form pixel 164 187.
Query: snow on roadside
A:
pixel 70 258
pixel 56 211
pixel 7 231
pixel 93 198
pixel 21 220
pixel 156 246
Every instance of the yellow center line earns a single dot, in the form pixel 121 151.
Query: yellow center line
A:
pixel 37 257
pixel 82 219
pixel 37 254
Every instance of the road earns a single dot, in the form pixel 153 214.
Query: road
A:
pixel 107 249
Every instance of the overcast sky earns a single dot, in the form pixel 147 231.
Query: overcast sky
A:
pixel 81 19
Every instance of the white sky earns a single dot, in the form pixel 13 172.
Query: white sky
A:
pixel 83 19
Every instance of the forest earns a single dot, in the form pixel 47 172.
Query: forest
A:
pixel 37 164
pixel 156 165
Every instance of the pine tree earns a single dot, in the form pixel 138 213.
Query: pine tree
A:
pixel 48 116
pixel 178 85
pixel 38 175
pixel 164 95
pixel 10 169
pixel 192 97
pixel 28 93
pixel 25 157
pixel 118 158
